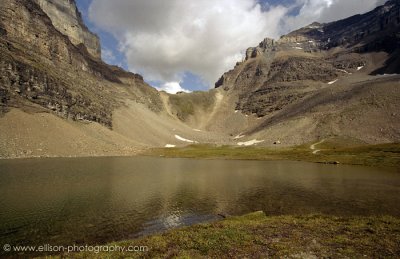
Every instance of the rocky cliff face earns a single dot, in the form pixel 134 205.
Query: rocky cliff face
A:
pixel 66 18
pixel 41 69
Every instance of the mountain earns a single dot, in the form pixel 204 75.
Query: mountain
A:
pixel 58 98
pixel 58 69
pixel 49 71
pixel 323 80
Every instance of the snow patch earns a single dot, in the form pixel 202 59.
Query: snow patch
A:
pixel 313 147
pixel 297 48
pixel 184 140
pixel 359 68
pixel 239 136
pixel 236 111
pixel 169 146
pixel 250 143
pixel 344 71
pixel 332 82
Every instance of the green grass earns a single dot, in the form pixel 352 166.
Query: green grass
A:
pixel 385 155
pixel 256 235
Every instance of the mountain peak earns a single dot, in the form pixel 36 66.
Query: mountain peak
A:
pixel 67 19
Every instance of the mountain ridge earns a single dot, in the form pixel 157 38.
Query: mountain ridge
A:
pixel 306 86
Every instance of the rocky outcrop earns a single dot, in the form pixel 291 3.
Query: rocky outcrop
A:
pixel 41 69
pixel 67 19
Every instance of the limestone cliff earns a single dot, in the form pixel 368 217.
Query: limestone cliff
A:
pixel 41 69
pixel 67 19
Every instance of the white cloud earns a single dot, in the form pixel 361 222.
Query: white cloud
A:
pixel 163 39
pixel 172 88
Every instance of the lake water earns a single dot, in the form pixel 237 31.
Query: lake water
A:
pixel 64 201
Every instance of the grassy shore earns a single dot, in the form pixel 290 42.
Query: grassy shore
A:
pixel 256 235
pixel 384 155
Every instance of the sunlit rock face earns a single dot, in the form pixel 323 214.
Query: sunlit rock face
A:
pixel 40 64
pixel 67 19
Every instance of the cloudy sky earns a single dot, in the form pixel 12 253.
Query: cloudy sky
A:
pixel 189 44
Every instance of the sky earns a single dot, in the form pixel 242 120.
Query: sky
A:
pixel 181 45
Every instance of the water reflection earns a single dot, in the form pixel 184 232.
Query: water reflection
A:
pixel 96 200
